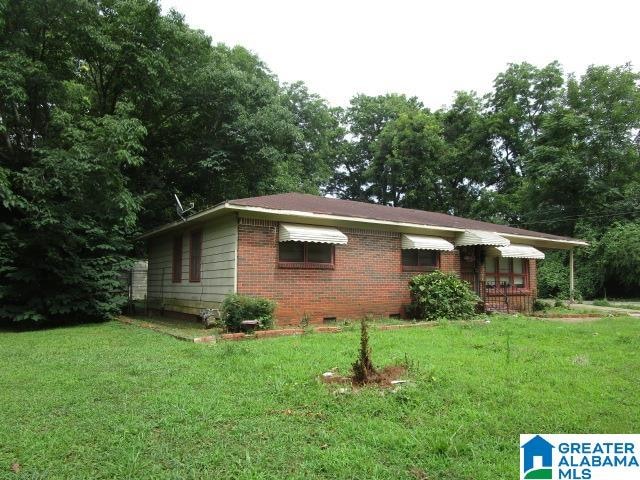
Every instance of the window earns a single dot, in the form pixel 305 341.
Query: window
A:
pixel 319 253
pixel 176 265
pixel 414 260
pixel 305 255
pixel 506 272
pixel 195 256
pixel 291 252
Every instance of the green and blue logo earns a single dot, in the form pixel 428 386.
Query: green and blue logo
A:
pixel 580 457
pixel 537 459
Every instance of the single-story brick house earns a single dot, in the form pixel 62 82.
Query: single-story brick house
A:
pixel 326 258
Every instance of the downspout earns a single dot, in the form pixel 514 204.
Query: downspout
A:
pixel 235 253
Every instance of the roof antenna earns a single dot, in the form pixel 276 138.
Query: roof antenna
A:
pixel 179 208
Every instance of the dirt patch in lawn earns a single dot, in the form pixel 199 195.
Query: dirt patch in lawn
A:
pixel 387 377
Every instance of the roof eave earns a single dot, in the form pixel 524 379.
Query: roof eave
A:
pixel 230 207
pixel 570 243
pixel 203 215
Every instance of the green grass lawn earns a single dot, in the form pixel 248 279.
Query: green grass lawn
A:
pixel 629 304
pixel 190 329
pixel 559 311
pixel 118 401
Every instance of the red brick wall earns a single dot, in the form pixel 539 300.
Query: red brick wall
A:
pixel 367 279
pixel 533 277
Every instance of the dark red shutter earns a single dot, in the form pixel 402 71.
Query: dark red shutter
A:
pixel 195 256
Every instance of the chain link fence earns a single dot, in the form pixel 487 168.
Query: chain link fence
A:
pixel 135 281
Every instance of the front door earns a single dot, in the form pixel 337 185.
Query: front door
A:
pixel 470 266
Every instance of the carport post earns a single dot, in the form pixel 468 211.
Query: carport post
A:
pixel 571 279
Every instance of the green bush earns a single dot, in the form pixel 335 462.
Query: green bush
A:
pixel 236 308
pixel 440 295
pixel 540 306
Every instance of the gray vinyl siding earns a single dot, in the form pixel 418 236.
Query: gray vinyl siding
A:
pixel 218 268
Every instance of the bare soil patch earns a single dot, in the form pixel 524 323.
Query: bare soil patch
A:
pixel 386 377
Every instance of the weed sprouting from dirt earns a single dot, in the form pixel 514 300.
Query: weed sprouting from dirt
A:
pixel 363 369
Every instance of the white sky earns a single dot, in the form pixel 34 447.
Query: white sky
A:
pixel 425 48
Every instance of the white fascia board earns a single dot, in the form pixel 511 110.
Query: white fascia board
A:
pixel 568 243
pixel 171 226
pixel 327 216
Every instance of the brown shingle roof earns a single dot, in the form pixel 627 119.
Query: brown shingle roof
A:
pixel 348 208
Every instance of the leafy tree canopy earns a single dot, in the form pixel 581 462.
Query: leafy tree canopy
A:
pixel 106 109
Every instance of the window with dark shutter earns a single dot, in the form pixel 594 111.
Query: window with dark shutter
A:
pixel 195 256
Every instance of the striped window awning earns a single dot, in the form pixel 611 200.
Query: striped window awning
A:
pixel 290 232
pixel 520 251
pixel 480 237
pixel 423 242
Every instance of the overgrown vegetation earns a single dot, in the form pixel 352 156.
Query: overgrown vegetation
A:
pixel 256 410
pixel 235 308
pixel 609 265
pixel 439 295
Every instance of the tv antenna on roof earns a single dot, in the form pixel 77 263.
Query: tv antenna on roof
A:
pixel 180 209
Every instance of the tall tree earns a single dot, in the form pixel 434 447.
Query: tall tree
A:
pixel 407 155
pixel 586 162
pixel 365 119
pixel 523 95
pixel 106 109
pixel 466 131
